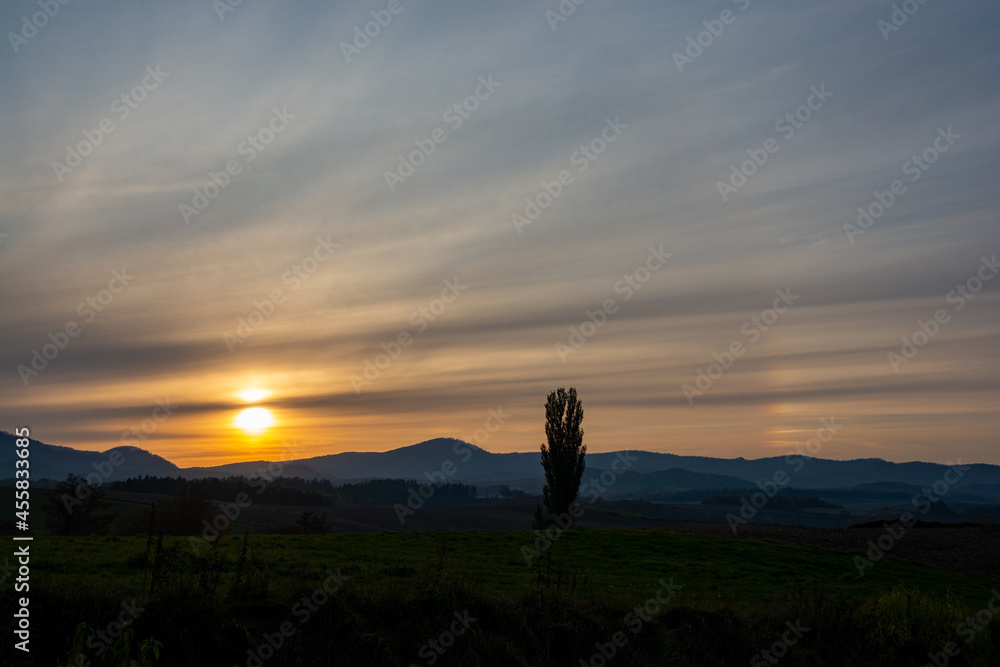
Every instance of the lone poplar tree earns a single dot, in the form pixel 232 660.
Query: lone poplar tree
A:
pixel 562 456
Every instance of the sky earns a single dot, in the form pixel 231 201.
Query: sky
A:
pixel 400 221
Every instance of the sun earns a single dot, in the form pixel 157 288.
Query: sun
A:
pixel 254 420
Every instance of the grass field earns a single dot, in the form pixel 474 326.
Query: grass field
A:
pixel 613 565
pixel 403 589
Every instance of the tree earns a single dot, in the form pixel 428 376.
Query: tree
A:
pixel 77 508
pixel 188 513
pixel 312 523
pixel 562 457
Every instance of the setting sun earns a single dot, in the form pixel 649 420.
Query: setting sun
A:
pixel 254 420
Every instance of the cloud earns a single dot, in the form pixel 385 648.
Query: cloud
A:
pixel 324 177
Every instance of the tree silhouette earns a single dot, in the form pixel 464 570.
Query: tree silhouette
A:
pixel 77 508
pixel 187 513
pixel 562 456
pixel 312 523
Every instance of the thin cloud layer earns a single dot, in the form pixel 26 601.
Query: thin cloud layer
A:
pixel 278 202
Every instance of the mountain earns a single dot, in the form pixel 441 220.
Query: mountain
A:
pixel 55 462
pixel 675 479
pixel 448 459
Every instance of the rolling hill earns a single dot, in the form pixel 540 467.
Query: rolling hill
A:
pixel 635 471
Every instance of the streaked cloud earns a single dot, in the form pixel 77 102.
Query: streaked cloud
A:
pixel 323 177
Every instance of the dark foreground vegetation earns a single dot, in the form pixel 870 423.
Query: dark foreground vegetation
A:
pixel 471 598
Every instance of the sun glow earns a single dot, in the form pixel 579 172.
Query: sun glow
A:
pixel 254 420
pixel 253 395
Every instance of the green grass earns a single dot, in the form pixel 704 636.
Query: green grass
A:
pixel 715 572
pixel 735 595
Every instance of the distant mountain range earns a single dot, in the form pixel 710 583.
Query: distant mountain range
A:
pixel 635 472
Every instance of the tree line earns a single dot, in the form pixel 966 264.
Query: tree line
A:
pixel 277 491
pixel 296 490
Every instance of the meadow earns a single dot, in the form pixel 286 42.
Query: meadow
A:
pixel 407 598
